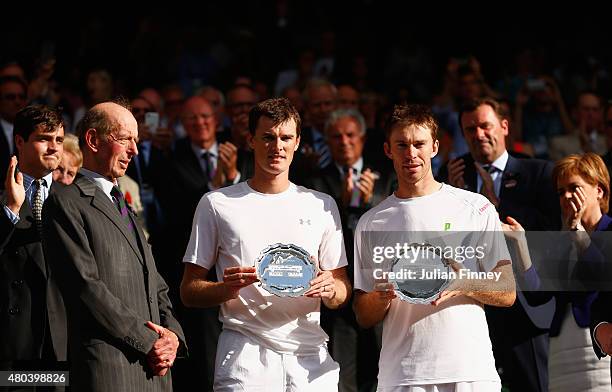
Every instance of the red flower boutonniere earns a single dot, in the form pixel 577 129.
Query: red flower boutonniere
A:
pixel 128 198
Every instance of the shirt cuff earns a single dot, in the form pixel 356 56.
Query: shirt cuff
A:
pixel 531 279
pixel 595 339
pixel 9 214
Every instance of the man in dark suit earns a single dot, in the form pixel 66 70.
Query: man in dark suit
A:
pixel 122 331
pixel 153 147
pixel 240 100
pixel 356 186
pixel 320 98
pixel 522 189
pixel 13 98
pixel 32 318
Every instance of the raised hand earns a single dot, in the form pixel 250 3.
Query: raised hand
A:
pixel 456 169
pixel 13 185
pixel 572 217
pixel 228 158
pixel 366 185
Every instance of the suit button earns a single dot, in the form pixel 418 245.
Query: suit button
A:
pixel 146 272
pixel 150 299
pixel 14 310
pixel 17 283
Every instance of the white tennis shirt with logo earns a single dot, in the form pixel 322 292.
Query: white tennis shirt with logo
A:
pixel 423 344
pixel 233 225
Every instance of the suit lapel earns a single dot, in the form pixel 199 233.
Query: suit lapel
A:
pixel 101 202
pixel 189 165
pixel 333 181
pixel 510 178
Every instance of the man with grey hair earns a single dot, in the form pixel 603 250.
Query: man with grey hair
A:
pixel 356 186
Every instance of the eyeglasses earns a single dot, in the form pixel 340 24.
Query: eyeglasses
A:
pixel 123 141
pixel 14 97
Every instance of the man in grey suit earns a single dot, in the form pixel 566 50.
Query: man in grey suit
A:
pixel 122 332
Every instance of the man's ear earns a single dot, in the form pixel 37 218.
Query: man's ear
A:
pixel 387 148
pixel 91 139
pixel 297 144
pixel 436 148
pixel 505 126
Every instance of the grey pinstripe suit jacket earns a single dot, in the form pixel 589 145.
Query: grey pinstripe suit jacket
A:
pixel 111 287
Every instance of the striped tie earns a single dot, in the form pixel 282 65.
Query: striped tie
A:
pixel 121 205
pixel 38 204
pixel 321 148
pixel 210 168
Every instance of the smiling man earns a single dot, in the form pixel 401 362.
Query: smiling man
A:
pixel 268 342
pixel 442 346
pixel 522 189
pixel 122 332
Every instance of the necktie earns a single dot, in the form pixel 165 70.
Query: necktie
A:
pixel 349 169
pixel 37 204
pixel 121 205
pixel 493 171
pixel 320 146
pixel 210 168
pixel 355 200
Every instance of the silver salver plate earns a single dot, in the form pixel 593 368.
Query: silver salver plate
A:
pixel 429 276
pixel 285 270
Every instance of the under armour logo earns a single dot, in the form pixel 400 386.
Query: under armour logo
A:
pixel 305 222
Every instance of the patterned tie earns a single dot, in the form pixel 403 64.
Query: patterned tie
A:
pixel 321 148
pixel 38 204
pixel 121 205
pixel 492 170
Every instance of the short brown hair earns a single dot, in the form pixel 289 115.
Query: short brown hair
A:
pixel 591 168
pixel 33 116
pixel 474 104
pixel 412 115
pixel 279 110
